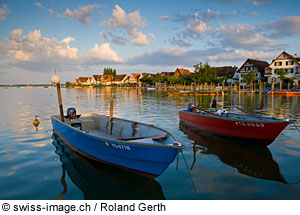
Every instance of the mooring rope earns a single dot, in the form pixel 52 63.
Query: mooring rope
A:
pixel 189 172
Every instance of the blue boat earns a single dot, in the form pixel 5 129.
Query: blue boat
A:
pixel 138 147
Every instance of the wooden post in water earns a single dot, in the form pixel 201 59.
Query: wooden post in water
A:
pixel 223 86
pixel 195 94
pixel 260 86
pixel 111 114
pixel 272 88
pixel 239 87
pixel 55 79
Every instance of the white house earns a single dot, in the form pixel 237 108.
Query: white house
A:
pixel 287 62
pixel 258 66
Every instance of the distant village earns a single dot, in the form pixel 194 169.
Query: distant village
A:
pixel 284 67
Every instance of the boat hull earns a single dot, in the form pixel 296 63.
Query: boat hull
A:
pixel 261 132
pixel 146 160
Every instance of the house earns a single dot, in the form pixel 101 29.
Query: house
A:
pixel 135 77
pixel 84 80
pixel 287 62
pixel 258 66
pixel 226 71
pixel 120 79
pixel 167 74
pixel 106 79
pixel 180 72
pixel 96 79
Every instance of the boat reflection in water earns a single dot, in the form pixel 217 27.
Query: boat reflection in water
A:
pixel 253 160
pixel 101 181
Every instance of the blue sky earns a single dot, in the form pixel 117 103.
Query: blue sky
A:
pixel 80 38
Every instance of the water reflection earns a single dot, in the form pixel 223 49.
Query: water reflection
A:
pixel 100 181
pixel 251 160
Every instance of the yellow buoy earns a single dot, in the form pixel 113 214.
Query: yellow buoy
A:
pixel 36 122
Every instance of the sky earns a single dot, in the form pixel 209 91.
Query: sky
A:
pixel 82 37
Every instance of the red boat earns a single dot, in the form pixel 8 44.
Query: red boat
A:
pixel 257 129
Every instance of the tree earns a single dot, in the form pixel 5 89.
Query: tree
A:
pixel 173 80
pixel 158 78
pixel 204 73
pixel 147 79
pixel 281 73
pixel 109 71
pixel 249 77
pixel 188 80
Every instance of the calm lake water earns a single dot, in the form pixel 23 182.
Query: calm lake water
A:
pixel 36 165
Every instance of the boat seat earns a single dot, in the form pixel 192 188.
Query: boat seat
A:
pixel 157 137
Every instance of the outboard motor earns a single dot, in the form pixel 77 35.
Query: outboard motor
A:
pixel 191 106
pixel 71 113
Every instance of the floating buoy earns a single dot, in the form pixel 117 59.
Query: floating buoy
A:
pixel 36 123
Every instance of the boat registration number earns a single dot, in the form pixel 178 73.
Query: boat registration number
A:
pixel 118 146
pixel 250 124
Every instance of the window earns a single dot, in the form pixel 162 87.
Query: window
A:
pixel 278 63
pixel 286 63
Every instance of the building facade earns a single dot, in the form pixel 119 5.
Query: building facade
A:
pixel 258 66
pixel 287 62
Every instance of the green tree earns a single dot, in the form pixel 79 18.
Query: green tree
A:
pixel 158 78
pixel 147 79
pixel 186 80
pixel 172 80
pixel 249 77
pixel 204 73
pixel 109 71
pixel 281 73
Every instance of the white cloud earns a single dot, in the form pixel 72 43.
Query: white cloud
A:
pixel 51 11
pixel 244 36
pixel 198 28
pixel 104 52
pixel 139 39
pixel 129 22
pixel 39 5
pixel 82 14
pixel 4 11
pixel 164 17
pixel 34 51
pixel 286 26
pixel 237 55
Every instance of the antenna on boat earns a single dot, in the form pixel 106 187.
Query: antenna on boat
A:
pixel 55 79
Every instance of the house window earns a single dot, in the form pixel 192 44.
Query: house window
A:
pixel 279 63
pixel 291 70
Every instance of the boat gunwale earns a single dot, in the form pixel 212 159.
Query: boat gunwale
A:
pixel 179 146
pixel 263 118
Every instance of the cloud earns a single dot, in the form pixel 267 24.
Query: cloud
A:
pixel 4 11
pixel 244 36
pixel 166 56
pixel 129 22
pixel 179 42
pixel 164 18
pixel 195 25
pixel 260 2
pixel 39 5
pixel 82 14
pixel 286 26
pixel 50 11
pixel 116 39
pixel 104 52
pixel 33 51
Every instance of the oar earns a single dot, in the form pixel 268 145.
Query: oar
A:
pixel 208 112
pixel 250 114
pixel 154 137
